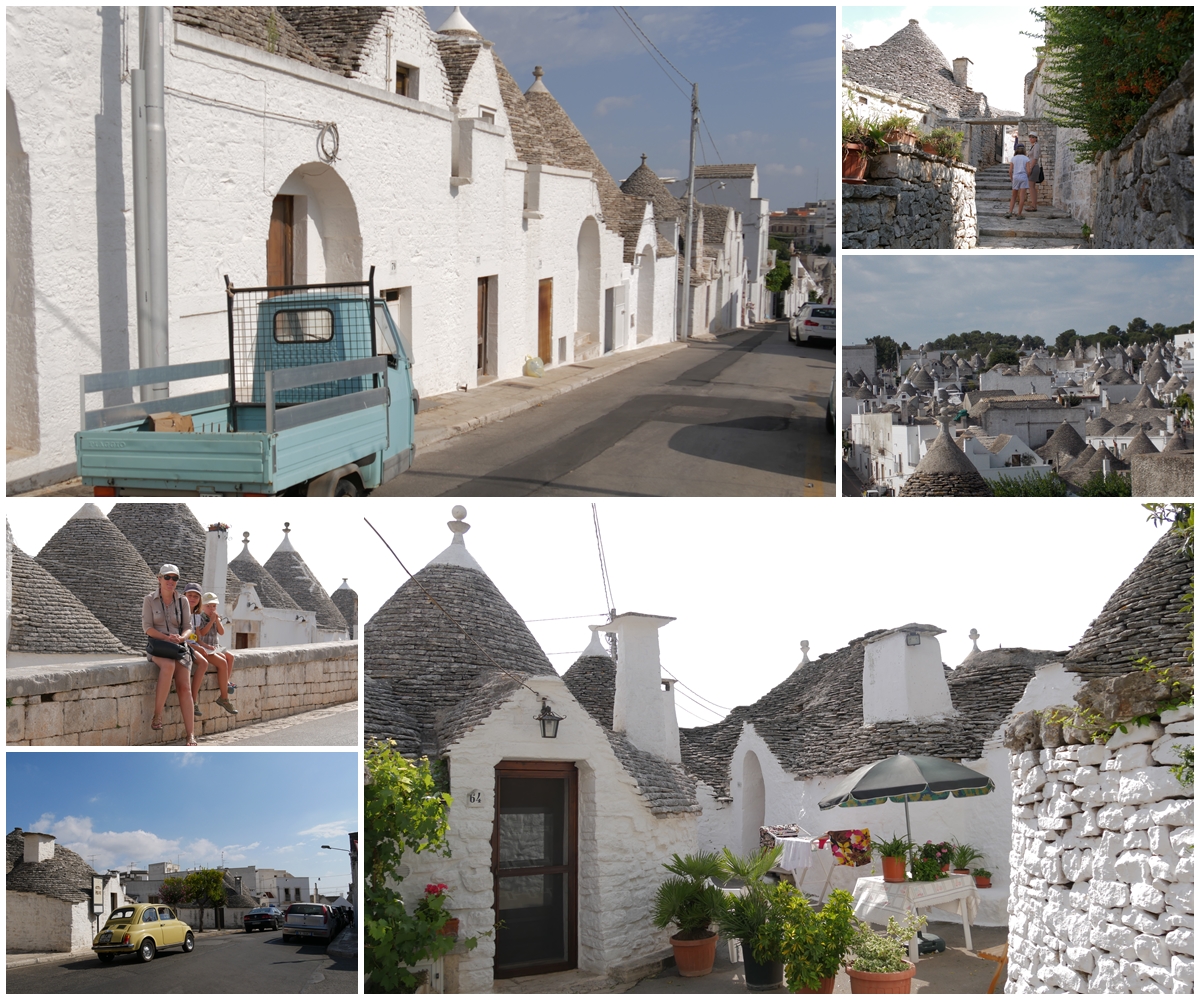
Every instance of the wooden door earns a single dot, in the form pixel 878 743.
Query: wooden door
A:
pixel 481 327
pixel 546 320
pixel 280 241
pixel 535 857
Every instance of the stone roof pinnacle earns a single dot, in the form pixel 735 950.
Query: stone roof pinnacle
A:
pixel 286 544
pixel 457 22
pixel 456 553
pixel 537 87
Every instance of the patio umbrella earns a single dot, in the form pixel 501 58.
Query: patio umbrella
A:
pixel 906 779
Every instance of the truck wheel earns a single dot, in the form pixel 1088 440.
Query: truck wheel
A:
pixel 348 487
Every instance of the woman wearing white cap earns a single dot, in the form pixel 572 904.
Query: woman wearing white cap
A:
pixel 166 621
pixel 206 623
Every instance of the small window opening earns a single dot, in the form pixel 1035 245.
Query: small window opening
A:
pixel 403 79
pixel 488 115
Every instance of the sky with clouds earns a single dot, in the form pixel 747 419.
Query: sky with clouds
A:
pixel 991 37
pixel 271 810
pixel 766 77
pixel 921 297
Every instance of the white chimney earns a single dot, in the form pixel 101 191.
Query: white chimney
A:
pixel 903 679
pixel 38 847
pixel 670 721
pixel 638 705
pixel 962 72
pixel 216 562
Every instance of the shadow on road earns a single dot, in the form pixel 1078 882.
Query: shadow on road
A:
pixel 751 442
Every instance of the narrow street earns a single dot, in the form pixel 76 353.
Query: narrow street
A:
pixel 744 416
pixel 222 963
pixel 1048 227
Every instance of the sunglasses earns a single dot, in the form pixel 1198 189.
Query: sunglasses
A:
pixel 170 577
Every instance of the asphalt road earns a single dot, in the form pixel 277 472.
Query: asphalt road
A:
pixel 741 417
pixel 223 963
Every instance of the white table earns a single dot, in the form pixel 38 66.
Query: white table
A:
pixel 875 900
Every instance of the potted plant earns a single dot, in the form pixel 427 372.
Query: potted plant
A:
pixel 755 917
pixel 947 143
pixel 900 128
pixel 983 878
pixel 940 852
pixel 691 903
pixel 861 140
pixel 961 858
pixel 894 853
pixel 926 870
pixel 815 942
pixel 880 961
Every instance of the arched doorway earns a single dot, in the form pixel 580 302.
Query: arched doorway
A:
pixel 21 382
pixel 645 299
pixel 314 235
pixel 754 802
pixel 587 296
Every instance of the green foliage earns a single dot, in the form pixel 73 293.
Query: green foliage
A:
pixel 1001 355
pixel 1115 484
pixel 754 916
pixel 963 855
pixel 685 900
pixel 1108 64
pixel 947 143
pixel 926 870
pixel 779 278
pixel 406 810
pixel 867 132
pixel 896 847
pixel 1065 341
pixel 173 892
pixel 981 873
pixel 1185 770
pixel 886 352
pixel 886 952
pixel 205 888
pixel 1184 408
pixel 897 122
pixel 1036 484
pixel 814 943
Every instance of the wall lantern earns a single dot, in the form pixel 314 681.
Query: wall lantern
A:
pixel 548 721
pixel 912 639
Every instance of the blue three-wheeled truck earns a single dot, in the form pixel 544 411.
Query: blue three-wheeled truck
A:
pixel 318 401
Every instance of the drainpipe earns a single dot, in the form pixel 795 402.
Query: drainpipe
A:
pixel 150 199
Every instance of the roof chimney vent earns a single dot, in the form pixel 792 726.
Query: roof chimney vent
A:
pixel 962 72
pixel 38 847
pixel 903 679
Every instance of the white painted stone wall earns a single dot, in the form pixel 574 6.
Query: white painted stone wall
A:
pixel 40 923
pixel 1019 384
pixel 240 130
pixel 622 846
pixel 1103 866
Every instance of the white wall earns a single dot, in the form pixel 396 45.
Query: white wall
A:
pixel 621 844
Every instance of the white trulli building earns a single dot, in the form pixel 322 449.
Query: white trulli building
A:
pixel 593 812
pixel 305 145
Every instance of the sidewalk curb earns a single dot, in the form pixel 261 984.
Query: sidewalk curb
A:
pixel 24 961
pixel 434 438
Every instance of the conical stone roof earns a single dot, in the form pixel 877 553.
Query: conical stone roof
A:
pixel 444 680
pixel 1178 442
pixel 1064 439
pixel 65 876
pixel 923 380
pixel 1098 425
pixel 1140 445
pixel 250 570
pixel 47 618
pixel 293 575
pixel 944 471
pixel 346 600
pixel 645 183
pixel 1154 371
pixel 592 679
pixel 863 392
pixel 1144 617
pixel 169 533
pixel 99 565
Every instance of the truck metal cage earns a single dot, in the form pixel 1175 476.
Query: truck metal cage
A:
pixel 299 326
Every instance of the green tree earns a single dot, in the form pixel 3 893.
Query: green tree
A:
pixel 1065 341
pixel 174 891
pixel 1108 64
pixel 1137 325
pixel 1003 356
pixel 1115 484
pixel 406 810
pixel 886 351
pixel 206 888
pixel 1036 484
pixel 779 278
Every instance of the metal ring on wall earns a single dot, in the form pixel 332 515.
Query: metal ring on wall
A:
pixel 327 151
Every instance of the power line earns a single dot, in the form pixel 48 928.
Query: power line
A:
pixel 608 597
pixel 563 618
pixel 720 159
pixel 637 34
pixel 655 47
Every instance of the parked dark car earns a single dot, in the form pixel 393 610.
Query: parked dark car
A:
pixel 263 918
pixel 311 920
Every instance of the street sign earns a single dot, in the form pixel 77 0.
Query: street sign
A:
pixel 97 893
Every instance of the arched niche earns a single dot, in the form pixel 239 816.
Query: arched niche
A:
pixel 314 236
pixel 587 295
pixel 754 802
pixel 645 299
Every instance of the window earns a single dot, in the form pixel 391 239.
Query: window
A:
pixel 165 913
pixel 406 80
pixel 303 326
pixel 149 915
pixel 487 114
pixel 287 894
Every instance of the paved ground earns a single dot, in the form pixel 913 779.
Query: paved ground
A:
pixel 955 970
pixel 222 963
pixel 852 486
pixel 744 416
pixel 1048 227
pixel 336 726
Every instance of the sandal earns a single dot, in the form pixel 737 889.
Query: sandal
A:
pixel 230 687
pixel 226 704
pixel 196 710
pixel 191 742
pixel 156 723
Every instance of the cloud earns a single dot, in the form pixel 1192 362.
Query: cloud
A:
pixel 338 828
pixel 109 848
pixel 816 30
pixel 608 104
pixel 186 759
pixel 781 169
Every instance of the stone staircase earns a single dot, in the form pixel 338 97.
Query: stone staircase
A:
pixel 1047 227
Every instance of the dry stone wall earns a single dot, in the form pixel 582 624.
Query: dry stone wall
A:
pixel 1103 865
pixel 1145 188
pixel 912 200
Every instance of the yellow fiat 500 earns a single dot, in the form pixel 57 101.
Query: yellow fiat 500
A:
pixel 142 929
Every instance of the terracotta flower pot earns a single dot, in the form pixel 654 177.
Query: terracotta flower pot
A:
pixel 695 958
pixel 946 867
pixel 882 982
pixel 854 163
pixel 893 870
pixel 902 136
pixel 928 147
pixel 826 986
pixel 450 927
pixel 982 883
pixel 962 871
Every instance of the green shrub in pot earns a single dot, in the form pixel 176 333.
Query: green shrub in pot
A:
pixel 753 917
pixel 886 952
pixel 686 899
pixel 815 942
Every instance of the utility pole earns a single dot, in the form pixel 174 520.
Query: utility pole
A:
pixel 685 296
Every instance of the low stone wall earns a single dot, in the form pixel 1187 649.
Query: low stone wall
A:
pixel 111 703
pixel 912 200
pixel 1169 474
pixel 1103 865
pixel 1144 188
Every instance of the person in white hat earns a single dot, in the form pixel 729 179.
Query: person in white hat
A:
pixel 206 621
pixel 166 621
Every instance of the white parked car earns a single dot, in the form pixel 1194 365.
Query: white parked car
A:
pixel 813 320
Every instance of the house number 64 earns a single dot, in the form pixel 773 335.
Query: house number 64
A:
pixel 475 797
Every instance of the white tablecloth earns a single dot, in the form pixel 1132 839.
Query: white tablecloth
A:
pixel 875 900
